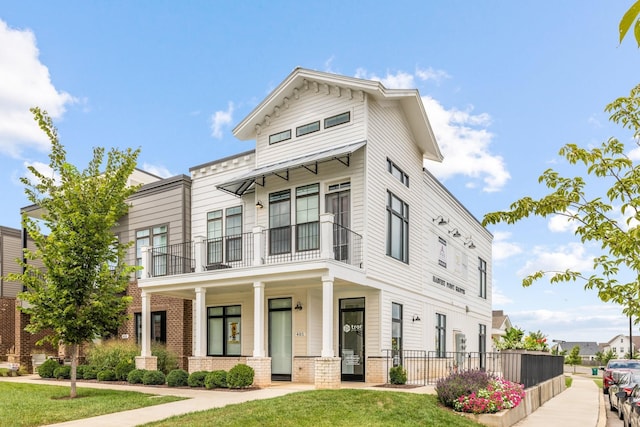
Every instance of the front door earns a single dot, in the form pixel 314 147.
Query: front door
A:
pixel 338 204
pixel 280 339
pixel 352 339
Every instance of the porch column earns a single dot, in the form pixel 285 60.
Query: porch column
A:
pixel 146 322
pixel 327 317
pixel 145 262
pixel 326 236
pixel 200 323
pixel 258 319
pixel 200 253
pixel 258 245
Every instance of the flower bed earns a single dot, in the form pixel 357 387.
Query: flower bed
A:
pixel 498 395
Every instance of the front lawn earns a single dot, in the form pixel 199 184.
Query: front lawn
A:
pixel 329 408
pixel 34 405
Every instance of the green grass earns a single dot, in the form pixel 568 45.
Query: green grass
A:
pixel 329 408
pixel 34 405
pixel 598 382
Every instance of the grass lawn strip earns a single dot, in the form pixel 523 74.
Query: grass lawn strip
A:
pixel 329 408
pixel 35 405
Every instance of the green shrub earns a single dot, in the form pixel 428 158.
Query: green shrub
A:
pixel 123 368
pixel 62 372
pixel 80 371
pixel 177 378
pixel 89 372
pixel 6 372
pixel 196 379
pixel 108 354
pixel 240 376
pixel 46 369
pixel 106 375
pixel 167 360
pixel 216 379
pixel 135 376
pixel 397 375
pixel 154 378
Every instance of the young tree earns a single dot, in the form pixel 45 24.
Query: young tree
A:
pixel 604 358
pixel 79 294
pixel 574 358
pixel 596 216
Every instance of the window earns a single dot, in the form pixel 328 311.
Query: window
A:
pixel 397 173
pixel 234 233
pixel 280 136
pixel 337 120
pixel 441 335
pixel 482 345
pixel 396 331
pixel 482 267
pixel 158 328
pixel 397 229
pixel 280 222
pixel 308 128
pixel 214 237
pixel 308 217
pixel 156 237
pixel 223 331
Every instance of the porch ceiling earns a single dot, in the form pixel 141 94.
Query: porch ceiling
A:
pixel 246 182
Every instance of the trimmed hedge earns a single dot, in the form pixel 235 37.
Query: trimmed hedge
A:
pixel 123 368
pixel 89 372
pixel 196 379
pixel 216 379
pixel 62 372
pixel 47 368
pixel 240 376
pixel 177 378
pixel 106 375
pixel 135 376
pixel 397 375
pixel 154 378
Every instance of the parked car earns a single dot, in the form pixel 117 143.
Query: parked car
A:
pixel 630 407
pixel 621 388
pixel 619 365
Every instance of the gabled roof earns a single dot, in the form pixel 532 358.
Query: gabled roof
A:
pixel 409 100
pixel 587 348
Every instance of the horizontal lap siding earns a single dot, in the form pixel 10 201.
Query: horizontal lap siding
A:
pixel 11 247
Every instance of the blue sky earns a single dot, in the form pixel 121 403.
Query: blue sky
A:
pixel 505 85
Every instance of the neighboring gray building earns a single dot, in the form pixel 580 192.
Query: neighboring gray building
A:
pixel 588 349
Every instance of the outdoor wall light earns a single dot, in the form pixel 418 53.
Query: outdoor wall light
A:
pixel 415 318
pixel 469 243
pixel 455 232
pixel 259 204
pixel 441 220
pixel 298 306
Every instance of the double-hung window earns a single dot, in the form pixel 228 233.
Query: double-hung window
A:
pixel 482 268
pixel 223 331
pixel 308 217
pixel 397 228
pixel 280 222
pixel 441 335
pixel 156 237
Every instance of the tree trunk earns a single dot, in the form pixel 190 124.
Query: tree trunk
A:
pixel 74 366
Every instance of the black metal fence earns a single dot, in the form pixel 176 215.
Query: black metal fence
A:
pixel 229 251
pixel 426 367
pixel 172 259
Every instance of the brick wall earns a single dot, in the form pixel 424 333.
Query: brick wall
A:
pixel 304 369
pixel 7 325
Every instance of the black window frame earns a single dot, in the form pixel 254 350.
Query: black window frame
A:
pixel 272 137
pixel 397 172
pixel 441 335
pixel 137 327
pixel 482 279
pixel 280 234
pixel 225 327
pixel 396 340
pixel 337 118
pixel 307 233
pixel 403 216
pixel 233 244
pixel 150 237
pixel 303 130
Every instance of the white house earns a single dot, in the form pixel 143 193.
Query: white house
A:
pixel 329 244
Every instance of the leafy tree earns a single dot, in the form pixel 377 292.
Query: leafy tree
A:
pixel 574 358
pixel 636 355
pixel 596 216
pixel 79 294
pixel 604 358
pixel 628 19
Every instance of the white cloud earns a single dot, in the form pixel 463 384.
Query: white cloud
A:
pixel 220 120
pixel 572 256
pixel 502 248
pixel 431 74
pixel 157 170
pixel 634 154
pixel 25 83
pixel 561 223
pixel 498 298
pixel 42 168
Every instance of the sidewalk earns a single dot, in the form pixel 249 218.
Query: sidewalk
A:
pixel 581 405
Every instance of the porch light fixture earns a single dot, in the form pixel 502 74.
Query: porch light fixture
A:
pixel 259 205
pixel 298 306
pixel 415 318
pixel 441 220
pixel 455 232
pixel 469 244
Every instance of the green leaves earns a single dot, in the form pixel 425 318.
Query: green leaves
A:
pixel 629 17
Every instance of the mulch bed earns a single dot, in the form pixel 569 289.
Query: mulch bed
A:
pixel 398 386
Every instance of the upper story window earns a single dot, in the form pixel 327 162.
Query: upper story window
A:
pixel 280 222
pixel 308 217
pixel 397 173
pixel 336 120
pixel 280 136
pixel 157 238
pixel 397 228
pixel 234 233
pixel 308 128
pixel 482 268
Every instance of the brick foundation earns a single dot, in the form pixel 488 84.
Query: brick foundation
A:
pixel 376 371
pixel 262 370
pixel 304 369
pixel 327 372
pixel 213 363
pixel 149 363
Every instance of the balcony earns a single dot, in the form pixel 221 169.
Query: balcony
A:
pixel 302 242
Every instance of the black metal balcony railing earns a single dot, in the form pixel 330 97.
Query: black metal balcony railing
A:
pixel 279 245
pixel 172 259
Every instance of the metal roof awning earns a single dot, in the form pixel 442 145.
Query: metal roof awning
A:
pixel 241 184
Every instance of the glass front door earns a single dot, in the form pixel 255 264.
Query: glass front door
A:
pixel 352 339
pixel 280 349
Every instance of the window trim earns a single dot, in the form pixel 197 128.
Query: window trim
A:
pixel 393 167
pixel 404 230
pixel 441 335
pixel 398 321
pixel 338 123
pixel 225 332
pixel 302 131
pixel 150 236
pixel 482 279
pixel 137 326
pixel 278 134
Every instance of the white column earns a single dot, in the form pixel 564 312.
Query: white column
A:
pixel 201 323
pixel 200 253
pixel 258 246
pixel 326 236
pixel 146 324
pixel 145 262
pixel 258 319
pixel 327 317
